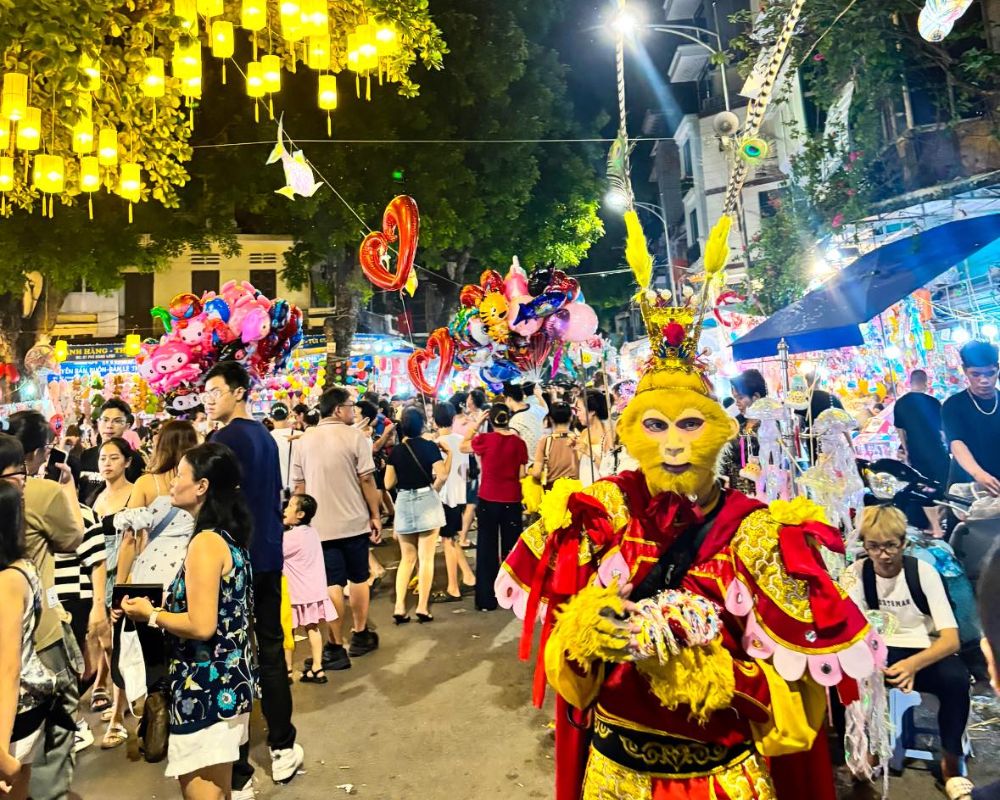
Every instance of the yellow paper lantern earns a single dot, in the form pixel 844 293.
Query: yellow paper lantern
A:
pixel 222 39
pixel 6 173
pixel 83 137
pixel 271 66
pixel 14 100
pixel 253 15
pixel 187 10
pixel 353 53
pixel 291 20
pixel 90 174
pixel 49 173
pixel 107 147
pixel 29 129
pixel 61 350
pixel 153 84
pixel 367 47
pixel 387 40
pixel 191 87
pixel 327 92
pixel 133 345
pixel 186 62
pixel 318 52
pixel 91 67
pixel 255 79
pixel 209 8
pixel 315 21
pixel 4 133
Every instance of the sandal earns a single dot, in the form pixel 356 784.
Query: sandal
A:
pixel 313 677
pixel 99 700
pixel 422 618
pixel 107 714
pixel 115 736
pixel 400 619
pixel 444 597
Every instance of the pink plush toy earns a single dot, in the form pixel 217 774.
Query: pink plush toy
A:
pixel 172 361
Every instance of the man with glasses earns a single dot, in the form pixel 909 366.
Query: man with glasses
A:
pixel 333 462
pixel 114 419
pixel 225 399
pixel 972 421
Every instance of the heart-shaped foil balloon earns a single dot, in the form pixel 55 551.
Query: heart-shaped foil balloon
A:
pixel 491 281
pixel 561 282
pixel 401 221
pixel 439 345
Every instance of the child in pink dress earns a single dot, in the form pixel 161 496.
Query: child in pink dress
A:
pixel 311 605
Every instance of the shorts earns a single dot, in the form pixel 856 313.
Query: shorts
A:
pixel 452 522
pixel 216 744
pixel 346 560
pixel 418 511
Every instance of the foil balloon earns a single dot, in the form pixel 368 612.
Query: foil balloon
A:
pixel 581 322
pixel 542 306
pixel 538 281
pixel 160 313
pixel 184 306
pixel 561 282
pixel 499 371
pixel 401 221
pixel 217 307
pixel 493 313
pixel 530 356
pixel 477 331
pixel 471 295
pixel 527 327
pixel 439 346
pixel 279 315
pixel 516 282
pixel 555 326
pixel 491 281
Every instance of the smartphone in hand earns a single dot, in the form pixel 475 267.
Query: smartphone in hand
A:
pixel 56 457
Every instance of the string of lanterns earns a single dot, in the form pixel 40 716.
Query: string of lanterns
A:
pixel 78 155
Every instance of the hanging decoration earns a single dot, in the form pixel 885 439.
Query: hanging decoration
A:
pixel 439 348
pixel 299 178
pixel 104 75
pixel 401 221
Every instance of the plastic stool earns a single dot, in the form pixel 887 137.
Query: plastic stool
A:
pixel 904 732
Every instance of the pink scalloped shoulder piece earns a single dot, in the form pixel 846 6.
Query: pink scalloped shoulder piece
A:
pixel 825 668
pixel 739 601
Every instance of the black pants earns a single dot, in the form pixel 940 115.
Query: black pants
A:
pixel 276 695
pixel 499 527
pixel 948 681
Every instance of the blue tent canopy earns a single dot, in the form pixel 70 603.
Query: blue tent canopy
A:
pixel 829 316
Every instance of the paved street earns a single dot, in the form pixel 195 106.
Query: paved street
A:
pixel 439 712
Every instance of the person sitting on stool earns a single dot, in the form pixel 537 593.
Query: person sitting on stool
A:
pixel 923 648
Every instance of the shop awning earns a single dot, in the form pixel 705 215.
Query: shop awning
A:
pixel 829 316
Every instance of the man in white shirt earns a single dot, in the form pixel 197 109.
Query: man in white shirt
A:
pixel 524 419
pixel 284 436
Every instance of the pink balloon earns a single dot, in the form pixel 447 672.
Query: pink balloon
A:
pixel 527 328
pixel 581 322
pixel 516 283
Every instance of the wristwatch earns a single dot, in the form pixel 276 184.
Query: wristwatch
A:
pixel 152 618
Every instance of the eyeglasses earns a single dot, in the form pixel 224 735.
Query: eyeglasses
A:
pixel 347 405
pixel 889 548
pixel 114 420
pixel 213 395
pixel 21 475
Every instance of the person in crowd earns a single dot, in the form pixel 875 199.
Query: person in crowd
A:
pixel 334 462
pixel 504 459
pixel 312 608
pixel 284 435
pixel 72 443
pixel 312 418
pixel 227 385
pixel 212 685
pixel 202 424
pixel 923 649
pixel 26 684
pixel 917 417
pixel 417 470
pixel 453 495
pixel 299 411
pixel 556 455
pixel 971 422
pixel 381 431
pixel 115 420
pixel 175 439
pixel 594 439
pixel 476 404
pixel 819 401
pixel 524 420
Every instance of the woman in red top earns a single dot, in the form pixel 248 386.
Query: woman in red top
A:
pixel 504 457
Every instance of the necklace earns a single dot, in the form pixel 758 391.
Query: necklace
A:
pixel 996 402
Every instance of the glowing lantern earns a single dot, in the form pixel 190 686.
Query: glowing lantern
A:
pixel 291 20
pixel 191 87
pixel 14 102
pixel 315 21
pixel 61 350
pixel 253 15
pixel 83 136
pixel 318 54
pixel 271 66
pixel 222 39
pixel 130 184
pixel 91 67
pixel 133 345
pixel 4 134
pixel 209 8
pixel 255 85
pixel 29 129
pixel 187 10
pixel 367 46
pixel 107 147
pixel 186 62
pixel 90 179
pixel 6 180
pixel 328 92
pixel 153 84
pixel 49 174
pixel 387 40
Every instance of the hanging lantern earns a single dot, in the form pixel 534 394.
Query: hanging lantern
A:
pixel 327 92
pixel 48 175
pixel 315 21
pixel 271 66
pixel 255 85
pixel 186 62
pixel 14 102
pixel 90 179
pixel 61 350
pixel 133 345
pixel 6 173
pixel 191 87
pixel 209 8
pixel 291 20
pixel 387 40
pixel 253 15
pixel 187 10
pixel 367 47
pixel 222 39
pixel 29 129
pixel 153 84
pixel 107 147
pixel 83 136
pixel 130 184
pixel 91 67
pixel 4 134
pixel 318 52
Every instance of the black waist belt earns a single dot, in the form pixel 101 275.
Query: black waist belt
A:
pixel 663 756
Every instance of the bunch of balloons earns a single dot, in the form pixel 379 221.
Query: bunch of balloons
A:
pixel 238 324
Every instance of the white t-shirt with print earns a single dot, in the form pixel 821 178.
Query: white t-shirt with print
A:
pixel 914 629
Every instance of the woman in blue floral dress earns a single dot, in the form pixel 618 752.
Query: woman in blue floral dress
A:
pixel 207 621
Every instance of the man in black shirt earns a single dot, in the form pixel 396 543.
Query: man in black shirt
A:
pixel 971 421
pixel 819 401
pixel 917 417
pixel 116 418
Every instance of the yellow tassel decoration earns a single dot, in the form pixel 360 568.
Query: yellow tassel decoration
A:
pixel 554 504
pixel 531 494
pixel 717 246
pixel 636 253
pixel 698 677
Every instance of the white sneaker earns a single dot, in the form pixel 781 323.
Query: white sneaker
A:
pixel 84 737
pixel 285 763
pixel 246 793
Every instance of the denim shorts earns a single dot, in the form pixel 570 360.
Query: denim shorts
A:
pixel 418 511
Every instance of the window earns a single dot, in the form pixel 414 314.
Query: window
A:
pixel 205 258
pixel 263 258
pixel 265 281
pixel 687 167
pixel 693 227
pixel 770 202
pixel 204 280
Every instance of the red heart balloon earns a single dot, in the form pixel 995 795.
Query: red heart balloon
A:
pixel 471 295
pixel 401 220
pixel 439 344
pixel 561 282
pixel 491 281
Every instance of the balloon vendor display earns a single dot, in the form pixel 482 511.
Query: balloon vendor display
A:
pixel 238 324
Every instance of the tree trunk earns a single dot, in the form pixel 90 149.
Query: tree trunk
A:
pixel 340 326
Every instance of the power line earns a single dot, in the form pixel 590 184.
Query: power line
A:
pixel 270 142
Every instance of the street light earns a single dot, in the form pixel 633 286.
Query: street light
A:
pixel 625 22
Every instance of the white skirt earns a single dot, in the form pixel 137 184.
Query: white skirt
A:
pixel 216 744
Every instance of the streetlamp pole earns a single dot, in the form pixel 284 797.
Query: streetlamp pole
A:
pixel 666 235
